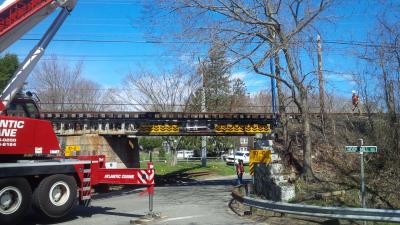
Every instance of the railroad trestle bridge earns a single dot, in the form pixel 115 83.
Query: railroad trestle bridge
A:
pixel 160 123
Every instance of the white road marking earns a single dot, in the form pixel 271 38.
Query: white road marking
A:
pixel 182 218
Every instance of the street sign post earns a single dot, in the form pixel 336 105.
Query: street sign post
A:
pixel 258 156
pixel 361 149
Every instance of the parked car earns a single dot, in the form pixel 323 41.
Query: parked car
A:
pixel 264 145
pixel 233 159
pixel 226 154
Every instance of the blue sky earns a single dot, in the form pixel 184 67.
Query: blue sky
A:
pixel 109 63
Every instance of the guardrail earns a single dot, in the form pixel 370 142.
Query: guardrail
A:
pixel 317 211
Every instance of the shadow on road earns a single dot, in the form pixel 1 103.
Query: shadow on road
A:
pixel 77 212
pixel 185 178
pixel 217 182
pixel 179 178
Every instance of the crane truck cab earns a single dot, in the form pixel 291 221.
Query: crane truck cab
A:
pixel 24 105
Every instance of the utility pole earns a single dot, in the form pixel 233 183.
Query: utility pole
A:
pixel 321 85
pixel 203 109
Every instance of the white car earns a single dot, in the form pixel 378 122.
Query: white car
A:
pixel 245 156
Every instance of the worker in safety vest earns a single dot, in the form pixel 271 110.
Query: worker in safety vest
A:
pixel 355 101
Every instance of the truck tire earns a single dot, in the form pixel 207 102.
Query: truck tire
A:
pixel 55 196
pixel 15 199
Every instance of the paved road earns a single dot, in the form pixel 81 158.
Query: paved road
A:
pixel 204 202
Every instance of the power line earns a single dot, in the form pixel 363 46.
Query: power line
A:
pixel 117 89
pixel 117 60
pixel 119 41
pixel 338 42
pixel 145 104
pixel 106 3
pixel 59 56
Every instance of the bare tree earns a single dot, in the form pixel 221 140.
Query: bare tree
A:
pixel 168 91
pixel 377 85
pixel 61 86
pixel 255 31
pixel 262 98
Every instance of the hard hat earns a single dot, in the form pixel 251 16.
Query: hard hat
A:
pixel 353 91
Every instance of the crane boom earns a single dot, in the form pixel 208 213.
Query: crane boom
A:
pixel 19 16
pixel 14 23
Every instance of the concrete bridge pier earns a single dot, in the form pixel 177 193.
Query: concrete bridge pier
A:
pixel 120 149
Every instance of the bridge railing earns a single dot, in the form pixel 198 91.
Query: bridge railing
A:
pixel 344 107
pixel 127 107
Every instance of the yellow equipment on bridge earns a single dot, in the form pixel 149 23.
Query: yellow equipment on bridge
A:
pixel 160 128
pixel 243 128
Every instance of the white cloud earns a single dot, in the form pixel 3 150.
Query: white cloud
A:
pixel 339 76
pixel 254 82
pixel 241 75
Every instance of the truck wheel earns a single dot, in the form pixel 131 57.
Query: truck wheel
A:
pixel 15 199
pixel 55 196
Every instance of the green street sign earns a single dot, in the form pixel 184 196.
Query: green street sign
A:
pixel 351 148
pixel 366 149
pixel 369 148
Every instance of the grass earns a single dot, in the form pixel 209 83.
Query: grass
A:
pixel 306 193
pixel 213 168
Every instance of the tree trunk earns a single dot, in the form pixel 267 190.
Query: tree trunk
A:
pixel 393 116
pixel 392 102
pixel 307 151
pixel 321 87
pixel 368 106
pixel 388 91
pixel 174 157
pixel 398 89
pixel 173 148
pixel 174 143
pixel 304 110
pixel 281 101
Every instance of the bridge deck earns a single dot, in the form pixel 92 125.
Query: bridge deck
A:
pixel 160 123
pixel 168 123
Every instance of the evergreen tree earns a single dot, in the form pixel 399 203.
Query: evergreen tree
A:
pixel 238 97
pixel 238 87
pixel 216 75
pixel 8 65
pixel 220 93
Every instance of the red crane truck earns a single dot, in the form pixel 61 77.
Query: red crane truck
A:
pixel 33 173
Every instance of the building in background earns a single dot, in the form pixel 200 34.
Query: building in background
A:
pixel 244 143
